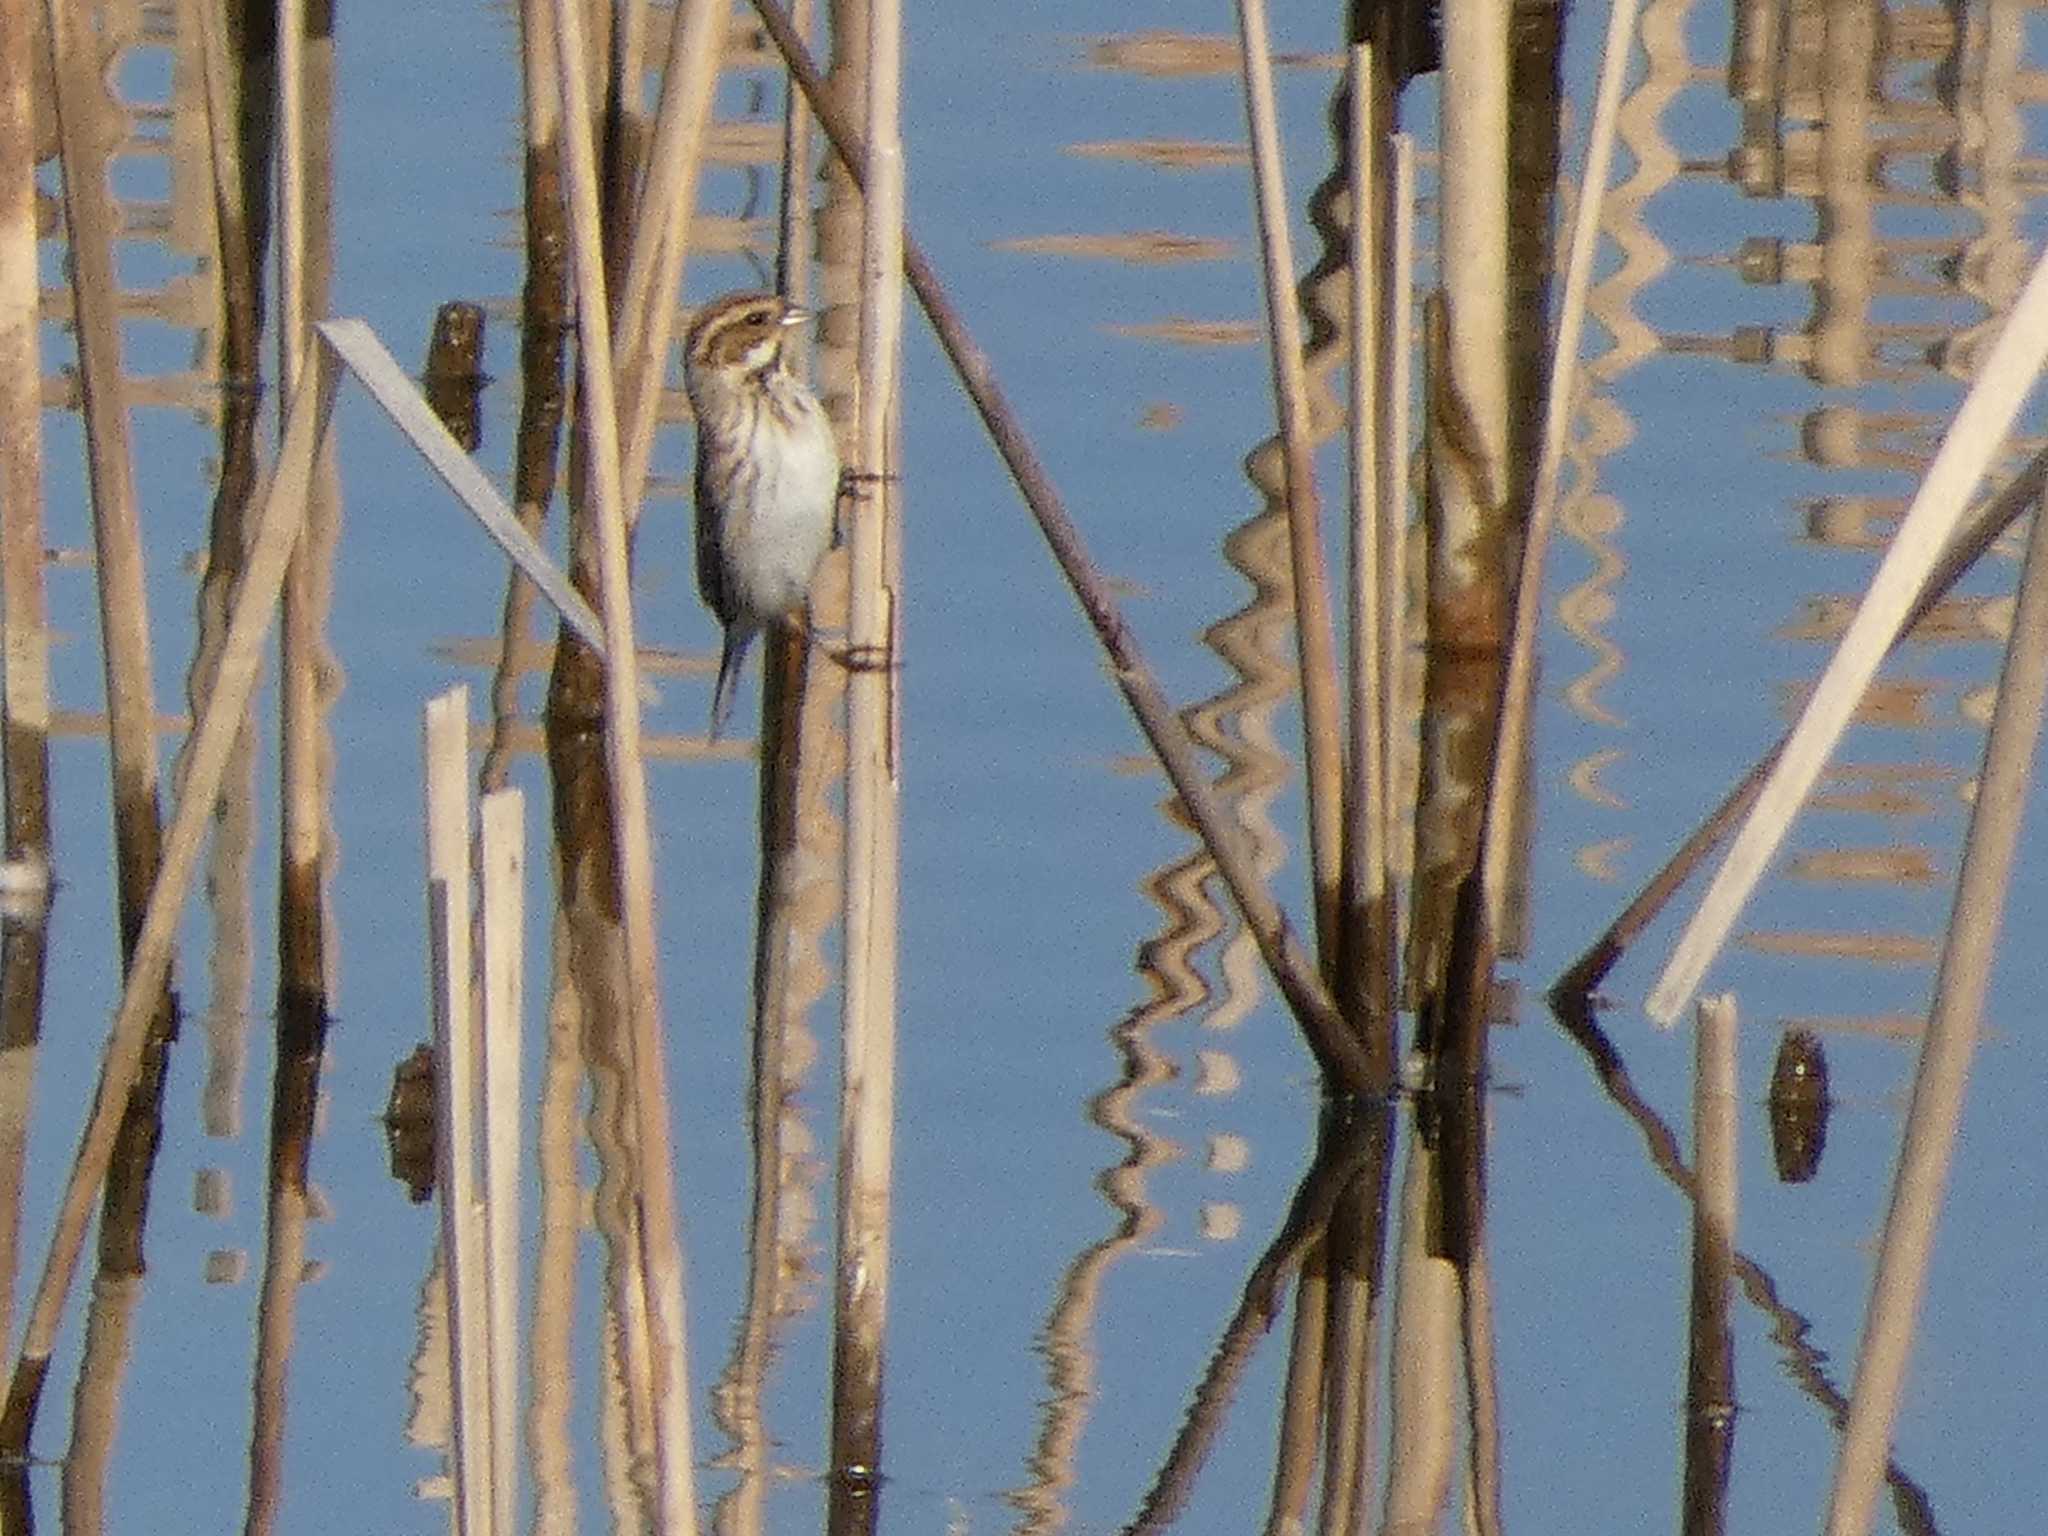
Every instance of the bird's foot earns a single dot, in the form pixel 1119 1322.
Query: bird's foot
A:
pixel 855 483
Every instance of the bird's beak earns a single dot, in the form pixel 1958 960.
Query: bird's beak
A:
pixel 797 317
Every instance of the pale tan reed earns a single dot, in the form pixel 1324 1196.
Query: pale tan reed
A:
pixel 662 1256
pixel 277 518
pixel 1315 641
pixel 1953 1024
pixel 445 758
pixel 1972 442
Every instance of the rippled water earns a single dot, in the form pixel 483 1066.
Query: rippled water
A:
pixel 1103 1114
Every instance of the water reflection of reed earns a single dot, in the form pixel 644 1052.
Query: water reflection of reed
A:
pixel 1804 1362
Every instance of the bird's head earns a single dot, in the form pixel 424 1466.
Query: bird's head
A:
pixel 742 333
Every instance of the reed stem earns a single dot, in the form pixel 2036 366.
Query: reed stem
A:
pixel 1973 440
pixel 1342 1059
pixel 278 515
pixel 1946 1049
pixel 868 1092
pixel 1315 642
pixel 662 1256
pixel 1512 747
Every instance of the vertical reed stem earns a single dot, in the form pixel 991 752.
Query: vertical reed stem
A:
pixel 1710 1363
pixel 868 1093
pixel 502 852
pixel 463 1254
pixel 1394 457
pixel 82 107
pixel 646 311
pixel 24 623
pixel 662 1259
pixel 1518 692
pixel 25 657
pixel 1315 642
pixel 1366 949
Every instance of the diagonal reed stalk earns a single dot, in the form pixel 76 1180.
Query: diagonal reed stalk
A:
pixel 1972 442
pixel 278 516
pixel 1963 551
pixel 1342 1059
pixel 1945 1050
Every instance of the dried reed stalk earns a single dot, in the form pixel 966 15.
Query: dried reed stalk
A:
pixel 502 853
pixel 1366 951
pixel 1394 456
pixel 91 227
pixel 278 515
pixel 662 1255
pixel 464 1254
pixel 357 348
pixel 1962 552
pixel 1315 643
pixel 1932 1121
pixel 25 657
pixel 868 1007
pixel 1512 731
pixel 646 312
pixel 1342 1059
pixel 1973 441
pixel 303 962
pixel 24 627
pixel 793 215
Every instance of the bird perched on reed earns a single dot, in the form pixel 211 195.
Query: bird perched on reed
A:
pixel 767 473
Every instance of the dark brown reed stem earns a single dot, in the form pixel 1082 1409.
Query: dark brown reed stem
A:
pixel 1345 1068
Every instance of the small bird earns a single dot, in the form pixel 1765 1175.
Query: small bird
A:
pixel 767 473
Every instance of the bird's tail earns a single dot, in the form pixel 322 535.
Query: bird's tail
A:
pixel 737 638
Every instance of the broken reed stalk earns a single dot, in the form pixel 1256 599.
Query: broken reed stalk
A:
pixel 501 848
pixel 646 310
pixel 445 743
pixel 1974 439
pixel 279 511
pixel 1518 690
pixel 1365 950
pixel 1935 1116
pixel 1345 1068
pixel 91 228
pixel 1315 642
pixel 662 1269
pixel 357 348
pixel 873 810
pixel 1963 551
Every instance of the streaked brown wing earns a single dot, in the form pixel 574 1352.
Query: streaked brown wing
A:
pixel 710 569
